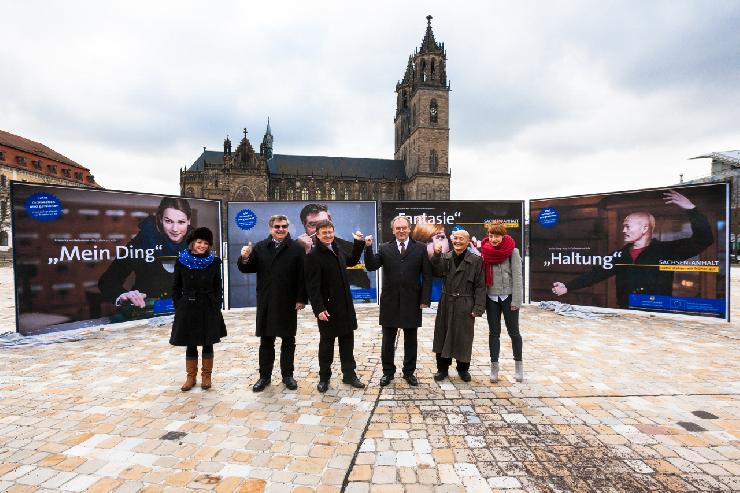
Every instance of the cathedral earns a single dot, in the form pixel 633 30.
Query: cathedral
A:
pixel 419 168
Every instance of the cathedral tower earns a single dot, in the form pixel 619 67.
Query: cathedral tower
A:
pixel 422 121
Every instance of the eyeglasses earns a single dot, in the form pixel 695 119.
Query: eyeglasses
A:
pixel 279 226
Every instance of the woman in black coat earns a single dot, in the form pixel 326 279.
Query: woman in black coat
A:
pixel 197 293
pixel 331 301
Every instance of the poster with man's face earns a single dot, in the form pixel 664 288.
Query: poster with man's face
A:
pixel 85 257
pixel 248 222
pixel 660 249
pixel 432 223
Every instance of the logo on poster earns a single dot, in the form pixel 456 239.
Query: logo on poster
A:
pixel 548 217
pixel 246 219
pixel 43 207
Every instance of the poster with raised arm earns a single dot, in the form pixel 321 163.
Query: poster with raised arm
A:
pixel 86 257
pixel 663 249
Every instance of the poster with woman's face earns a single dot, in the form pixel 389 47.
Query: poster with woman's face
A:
pixel 86 257
pixel 433 222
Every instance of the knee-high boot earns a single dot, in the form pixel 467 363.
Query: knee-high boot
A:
pixel 191 370
pixel 205 375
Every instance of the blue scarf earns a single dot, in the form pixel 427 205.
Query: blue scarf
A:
pixel 194 262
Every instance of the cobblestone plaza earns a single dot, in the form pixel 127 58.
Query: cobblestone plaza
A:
pixel 634 402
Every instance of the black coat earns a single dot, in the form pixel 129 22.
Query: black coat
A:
pixel 328 287
pixel 197 294
pixel 648 278
pixel 280 285
pixel 407 282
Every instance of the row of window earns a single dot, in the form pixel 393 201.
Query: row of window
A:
pixel 318 194
pixel 50 168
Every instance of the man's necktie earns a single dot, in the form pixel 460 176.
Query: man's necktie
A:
pixel 403 247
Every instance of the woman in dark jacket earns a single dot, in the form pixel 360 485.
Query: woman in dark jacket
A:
pixel 197 293
pixel 331 301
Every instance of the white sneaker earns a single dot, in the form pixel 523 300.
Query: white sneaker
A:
pixel 518 371
pixel 494 371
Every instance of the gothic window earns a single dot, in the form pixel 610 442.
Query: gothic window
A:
pixel 333 194
pixel 413 117
pixel 3 238
pixel 433 161
pixel 346 194
pixel 432 68
pixel 289 194
pixel 405 100
pixel 318 194
pixel 215 184
pixel 363 191
pixel 423 70
pixel 304 193
pixel 276 194
pixel 433 110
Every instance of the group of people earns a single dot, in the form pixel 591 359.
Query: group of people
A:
pixel 293 272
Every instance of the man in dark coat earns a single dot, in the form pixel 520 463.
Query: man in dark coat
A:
pixel 328 290
pixel 281 292
pixel 637 264
pixel 463 299
pixel 407 288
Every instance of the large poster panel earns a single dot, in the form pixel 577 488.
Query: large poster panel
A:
pixel 433 221
pixel 247 221
pixel 660 249
pixel 81 254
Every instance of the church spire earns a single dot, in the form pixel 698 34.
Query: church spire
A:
pixel 266 146
pixel 428 44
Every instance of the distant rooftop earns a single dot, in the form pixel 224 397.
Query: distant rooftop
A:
pixel 729 156
pixel 32 147
pixel 285 164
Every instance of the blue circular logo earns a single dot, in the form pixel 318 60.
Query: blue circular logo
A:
pixel 457 227
pixel 548 217
pixel 43 207
pixel 246 219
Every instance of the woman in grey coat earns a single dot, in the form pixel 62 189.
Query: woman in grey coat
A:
pixel 502 265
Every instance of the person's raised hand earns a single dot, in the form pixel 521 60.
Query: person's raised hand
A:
pixel 246 250
pixel 369 240
pixel 673 197
pixel 559 288
pixel 357 235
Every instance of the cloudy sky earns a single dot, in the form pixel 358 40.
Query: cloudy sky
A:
pixel 548 98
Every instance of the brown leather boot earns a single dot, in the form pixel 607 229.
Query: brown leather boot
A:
pixel 191 368
pixel 205 374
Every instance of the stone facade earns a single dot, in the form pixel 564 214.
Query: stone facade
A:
pixel 24 160
pixel 419 170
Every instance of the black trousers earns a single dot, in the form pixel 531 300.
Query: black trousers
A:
pixel 267 356
pixel 443 364
pixel 494 309
pixel 192 352
pixel 346 356
pixel 388 350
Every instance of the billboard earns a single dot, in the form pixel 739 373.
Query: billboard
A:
pixel 434 220
pixel 247 221
pixel 81 255
pixel 662 249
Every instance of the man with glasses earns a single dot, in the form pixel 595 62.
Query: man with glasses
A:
pixel 281 292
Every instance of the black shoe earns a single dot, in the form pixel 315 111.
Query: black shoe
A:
pixel 465 375
pixel 354 381
pixel 385 380
pixel 290 383
pixel 440 375
pixel 411 379
pixel 261 384
pixel 323 386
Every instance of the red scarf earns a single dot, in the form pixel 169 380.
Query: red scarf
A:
pixel 494 255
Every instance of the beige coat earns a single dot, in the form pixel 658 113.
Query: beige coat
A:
pixel 463 294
